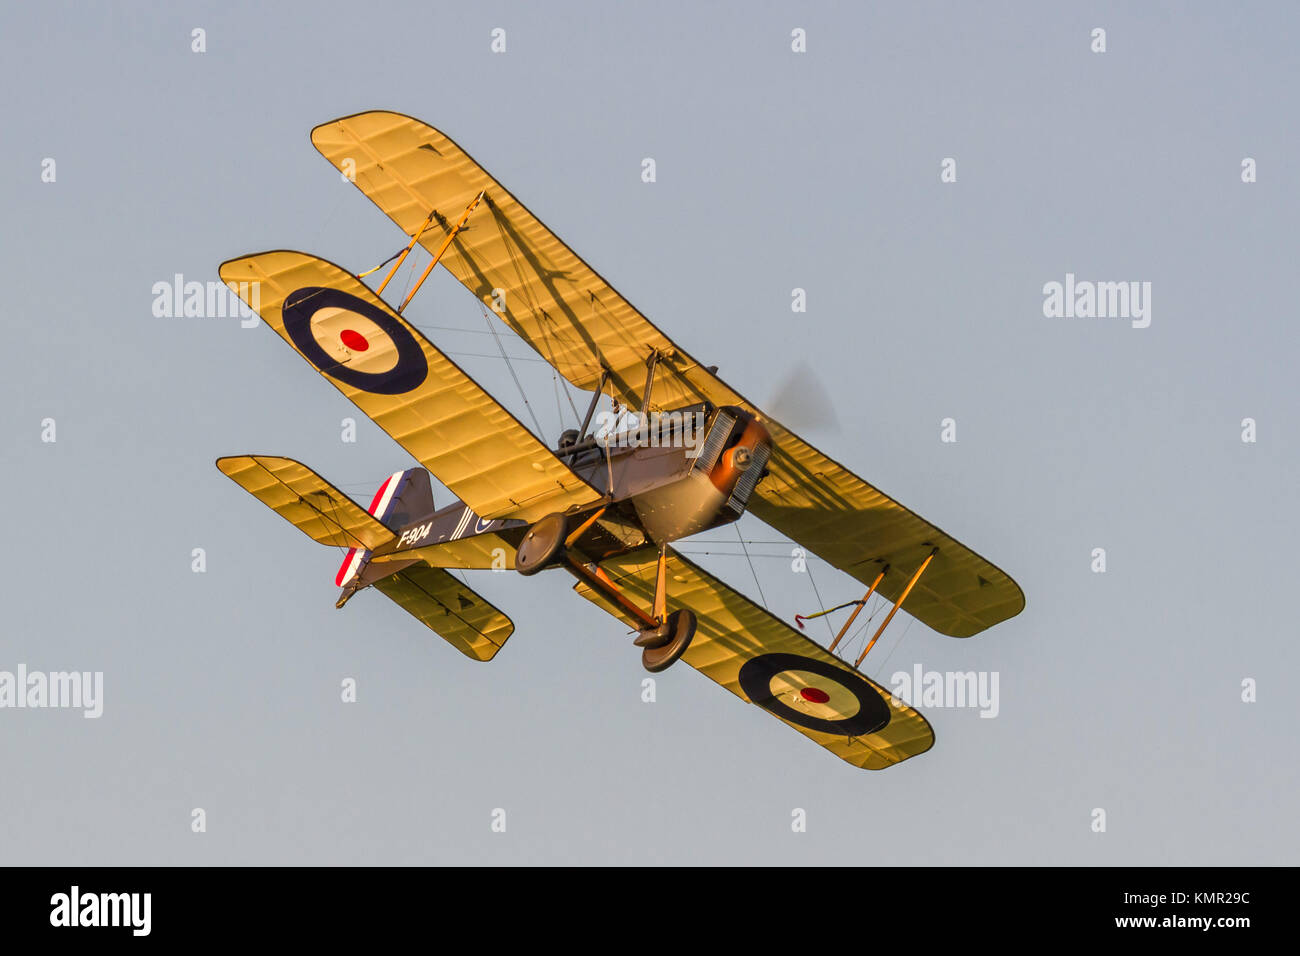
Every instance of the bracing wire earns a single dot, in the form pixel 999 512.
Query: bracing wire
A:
pixel 752 570
pixel 519 385
pixel 861 629
pixel 897 645
pixel 559 409
pixel 821 605
pixel 565 389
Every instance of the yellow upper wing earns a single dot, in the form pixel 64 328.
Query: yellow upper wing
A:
pixel 413 391
pixel 763 660
pixel 553 299
pixel 580 324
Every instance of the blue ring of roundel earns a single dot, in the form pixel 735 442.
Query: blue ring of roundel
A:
pixel 411 369
pixel 755 680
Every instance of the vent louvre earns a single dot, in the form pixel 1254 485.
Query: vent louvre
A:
pixel 712 447
pixel 745 486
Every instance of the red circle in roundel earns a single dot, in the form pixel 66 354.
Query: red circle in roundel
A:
pixel 814 695
pixel 354 340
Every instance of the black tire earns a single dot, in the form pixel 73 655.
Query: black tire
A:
pixel 681 625
pixel 542 544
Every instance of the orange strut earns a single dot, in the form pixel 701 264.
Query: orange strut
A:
pixel 899 603
pixel 405 252
pixel 441 249
pixel 849 623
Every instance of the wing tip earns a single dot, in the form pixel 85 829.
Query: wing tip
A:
pixel 252 256
pixel 257 459
pixel 318 131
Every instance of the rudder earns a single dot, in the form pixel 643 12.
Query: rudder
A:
pixel 403 497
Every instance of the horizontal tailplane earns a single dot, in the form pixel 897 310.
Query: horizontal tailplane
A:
pixel 453 611
pixel 306 500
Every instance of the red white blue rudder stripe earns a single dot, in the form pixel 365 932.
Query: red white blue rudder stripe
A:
pixel 382 506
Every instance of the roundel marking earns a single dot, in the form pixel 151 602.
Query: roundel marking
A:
pixel 838 701
pixel 353 341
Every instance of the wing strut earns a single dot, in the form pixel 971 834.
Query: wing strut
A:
pixel 861 604
pixel 650 364
pixel 441 249
pixel 581 440
pixel 897 604
pixel 405 252
pixel 655 632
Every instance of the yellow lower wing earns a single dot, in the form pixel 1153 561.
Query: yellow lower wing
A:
pixel 306 500
pixel 763 660
pixel 412 391
pixel 457 614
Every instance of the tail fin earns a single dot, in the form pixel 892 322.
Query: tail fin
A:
pixel 452 610
pixel 403 497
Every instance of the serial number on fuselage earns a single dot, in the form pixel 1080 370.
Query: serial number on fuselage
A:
pixel 414 535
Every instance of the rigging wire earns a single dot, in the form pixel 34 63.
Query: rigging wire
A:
pixel 897 645
pixel 406 286
pixel 820 603
pixel 509 358
pixel 567 394
pixel 332 516
pixel 454 328
pixel 518 384
pixel 752 570
pixel 559 409
pixel 734 554
pixel 861 629
pixel 320 231
pixel 746 540
pixel 424 326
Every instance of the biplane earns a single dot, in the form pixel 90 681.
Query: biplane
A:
pixel 607 512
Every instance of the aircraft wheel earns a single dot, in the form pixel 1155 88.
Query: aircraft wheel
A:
pixel 680 628
pixel 542 543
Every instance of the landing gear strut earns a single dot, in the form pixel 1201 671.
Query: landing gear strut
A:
pixel 662 637
pixel 663 645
